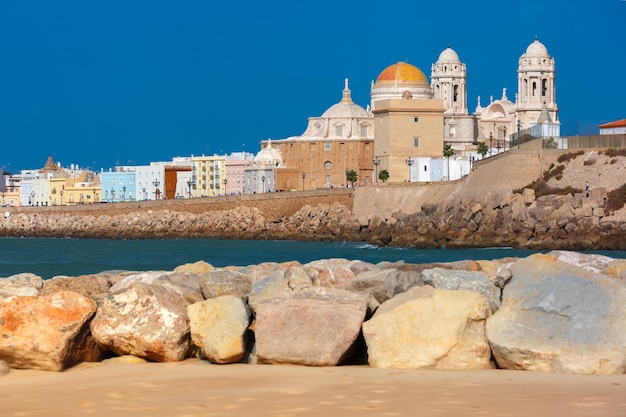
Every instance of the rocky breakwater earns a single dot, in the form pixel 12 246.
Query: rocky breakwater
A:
pixel 570 222
pixel 561 312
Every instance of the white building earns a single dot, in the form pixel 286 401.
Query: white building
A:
pixel 150 180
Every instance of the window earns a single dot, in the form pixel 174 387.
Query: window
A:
pixel 328 180
pixel 327 146
pixel 544 87
pixel 416 119
pixel 339 130
pixel 364 130
pixel 456 94
pixel 328 165
pixel 416 142
pixel 534 88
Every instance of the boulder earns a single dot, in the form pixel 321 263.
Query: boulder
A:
pixel 383 284
pixel 218 326
pixel 331 272
pixel 314 326
pixel 464 280
pixel 94 286
pixel 148 321
pixel 49 332
pixel 427 328
pixel 199 267
pixel 221 282
pixel 558 317
pixel 20 284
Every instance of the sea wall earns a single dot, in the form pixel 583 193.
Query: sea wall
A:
pixel 507 219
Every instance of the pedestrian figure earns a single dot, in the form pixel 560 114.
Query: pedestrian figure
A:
pixel 586 188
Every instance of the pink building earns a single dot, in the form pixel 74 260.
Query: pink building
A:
pixel 235 165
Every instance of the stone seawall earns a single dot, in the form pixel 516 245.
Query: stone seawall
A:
pixel 516 220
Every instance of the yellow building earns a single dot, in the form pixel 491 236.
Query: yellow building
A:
pixel 207 176
pixel 407 127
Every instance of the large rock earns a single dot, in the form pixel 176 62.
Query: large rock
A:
pixel 199 267
pixel 49 332
pixel 427 328
pixel 144 320
pixel 314 326
pixel 218 328
pixel 225 282
pixel 332 272
pixel 561 318
pixel 94 286
pixel 464 280
pixel 20 284
pixel 383 284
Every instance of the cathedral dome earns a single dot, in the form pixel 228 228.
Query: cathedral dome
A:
pixel 269 155
pixel 449 56
pixel 401 73
pixel 346 108
pixel 536 49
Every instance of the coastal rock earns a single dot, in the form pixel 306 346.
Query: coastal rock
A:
pixel 49 332
pixel 383 284
pixel 148 321
pixel 464 280
pixel 314 326
pixel 588 262
pixel 427 328
pixel 331 272
pixel 218 326
pixel 199 267
pixel 94 286
pixel 187 285
pixel 558 317
pixel 20 284
pixel 221 282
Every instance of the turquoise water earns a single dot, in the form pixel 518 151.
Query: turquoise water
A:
pixel 51 257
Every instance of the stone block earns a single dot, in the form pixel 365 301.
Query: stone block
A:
pixel 598 211
pixel 529 195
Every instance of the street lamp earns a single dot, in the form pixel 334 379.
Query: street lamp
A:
pixel 32 198
pixel 498 146
pixel 303 177
pixel 124 193
pixel 490 142
pixel 519 128
pixel 61 192
pixel 189 187
pixel 409 162
pixel 3 194
pixel 225 182
pixel 376 162
pixel 504 142
pixel 263 181
pixel 94 194
pixel 157 192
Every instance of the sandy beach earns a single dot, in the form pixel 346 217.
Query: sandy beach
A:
pixel 197 388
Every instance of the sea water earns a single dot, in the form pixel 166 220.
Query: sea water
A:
pixel 51 257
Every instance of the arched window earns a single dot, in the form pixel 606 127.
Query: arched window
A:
pixel 544 87
pixel 455 96
pixel 534 88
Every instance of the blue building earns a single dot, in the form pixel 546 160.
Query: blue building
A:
pixel 118 186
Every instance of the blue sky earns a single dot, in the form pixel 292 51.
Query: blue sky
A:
pixel 100 83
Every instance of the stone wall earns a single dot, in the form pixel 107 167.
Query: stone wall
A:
pixel 516 220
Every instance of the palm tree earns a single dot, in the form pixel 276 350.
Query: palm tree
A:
pixel 482 149
pixel 383 175
pixel 448 152
pixel 351 176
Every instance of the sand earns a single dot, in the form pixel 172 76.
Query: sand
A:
pixel 197 388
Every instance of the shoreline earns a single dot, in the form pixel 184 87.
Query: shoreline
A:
pixel 198 388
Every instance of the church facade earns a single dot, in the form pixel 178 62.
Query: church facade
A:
pixel 410 118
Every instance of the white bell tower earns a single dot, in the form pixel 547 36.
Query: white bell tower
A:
pixel 536 85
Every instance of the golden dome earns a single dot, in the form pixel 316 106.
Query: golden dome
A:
pixel 402 72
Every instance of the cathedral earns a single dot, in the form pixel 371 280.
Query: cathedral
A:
pixel 409 120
